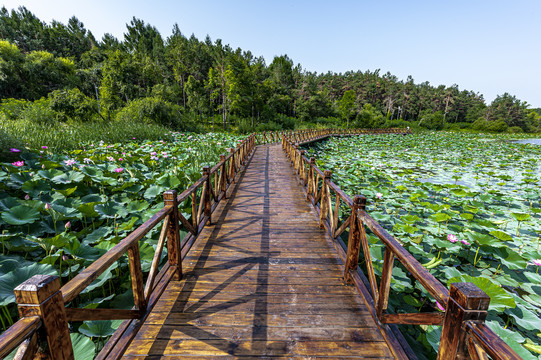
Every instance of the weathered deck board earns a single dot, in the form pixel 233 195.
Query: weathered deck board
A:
pixel 262 282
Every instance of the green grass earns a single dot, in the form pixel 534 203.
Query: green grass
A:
pixel 58 137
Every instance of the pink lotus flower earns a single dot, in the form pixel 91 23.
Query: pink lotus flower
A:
pixel 464 242
pixel 440 308
pixel 118 170
pixel 18 163
pixel 47 206
pixel 44 147
pixel 110 158
pixel 535 262
pixel 120 159
pixel 379 195
pixel 452 238
pixel 69 162
pixel 68 225
pixel 27 197
pixel 13 150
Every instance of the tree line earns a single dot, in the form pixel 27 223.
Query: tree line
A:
pixel 60 72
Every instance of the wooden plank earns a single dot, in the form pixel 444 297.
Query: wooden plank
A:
pixel 77 314
pixel 257 348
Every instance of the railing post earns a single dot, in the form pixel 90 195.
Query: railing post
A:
pixel 297 159
pixel 232 165
pixel 223 178
pixel 302 168
pixel 310 186
pixel 208 197
pixel 40 295
pixel 466 302
pixel 173 233
pixel 323 209
pixel 354 239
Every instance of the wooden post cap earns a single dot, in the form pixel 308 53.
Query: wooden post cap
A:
pixel 222 157
pixel 312 160
pixel 469 296
pixel 327 173
pixel 169 196
pixel 206 170
pixel 231 150
pixel 36 289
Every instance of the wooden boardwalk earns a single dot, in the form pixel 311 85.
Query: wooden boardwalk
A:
pixel 263 282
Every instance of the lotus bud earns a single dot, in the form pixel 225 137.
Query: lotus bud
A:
pixel 43 166
pixel 27 197
pixel 47 206
pixel 68 225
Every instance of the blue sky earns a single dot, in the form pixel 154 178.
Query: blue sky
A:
pixel 490 47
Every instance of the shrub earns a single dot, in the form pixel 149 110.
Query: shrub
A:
pixel 39 112
pixel 432 121
pixel 515 130
pixel 12 108
pixel 369 117
pixel 73 104
pixel 152 110
pixel 482 124
pixel 269 126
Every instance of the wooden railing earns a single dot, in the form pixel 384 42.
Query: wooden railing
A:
pixel 41 301
pixel 463 333
pixel 270 137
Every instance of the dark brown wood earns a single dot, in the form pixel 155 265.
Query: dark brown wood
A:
pixel 413 319
pixel 157 257
pixel 324 202
pixel 76 314
pixel 494 346
pixel 173 233
pixel 367 256
pixel 421 274
pixel 41 296
pixel 466 302
pixel 91 273
pixel 207 204
pixel 136 275
pixel 354 240
pixel 28 349
pixel 385 282
pixel 223 175
pixel 17 333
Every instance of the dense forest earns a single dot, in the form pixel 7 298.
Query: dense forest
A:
pixel 60 73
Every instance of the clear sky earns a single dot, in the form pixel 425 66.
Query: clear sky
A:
pixel 488 46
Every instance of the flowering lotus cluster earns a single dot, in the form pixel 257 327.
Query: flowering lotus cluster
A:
pixel 452 238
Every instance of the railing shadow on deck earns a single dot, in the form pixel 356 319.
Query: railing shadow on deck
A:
pixel 464 334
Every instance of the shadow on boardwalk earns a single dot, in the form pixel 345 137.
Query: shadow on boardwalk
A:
pixel 262 281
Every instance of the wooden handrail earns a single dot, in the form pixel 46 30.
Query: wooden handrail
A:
pixel 480 335
pixel 214 183
pixel 458 302
pixel 17 333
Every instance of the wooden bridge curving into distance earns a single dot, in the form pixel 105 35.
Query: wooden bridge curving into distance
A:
pixel 262 273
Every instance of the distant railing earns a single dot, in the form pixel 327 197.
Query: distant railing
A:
pixel 42 302
pixel 269 137
pixel 464 334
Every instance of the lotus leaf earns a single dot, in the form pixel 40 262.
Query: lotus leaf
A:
pixel 20 215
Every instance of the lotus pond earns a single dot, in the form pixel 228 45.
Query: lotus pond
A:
pixel 467 206
pixel 61 212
